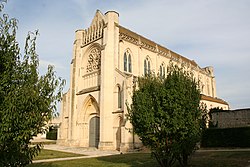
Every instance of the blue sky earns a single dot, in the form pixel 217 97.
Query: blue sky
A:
pixel 213 33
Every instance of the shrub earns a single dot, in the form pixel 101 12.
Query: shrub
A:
pixel 52 134
pixel 228 137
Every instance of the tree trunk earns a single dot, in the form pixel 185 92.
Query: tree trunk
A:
pixel 185 160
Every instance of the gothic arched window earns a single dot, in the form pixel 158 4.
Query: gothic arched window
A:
pixel 127 65
pixel 162 70
pixel 147 69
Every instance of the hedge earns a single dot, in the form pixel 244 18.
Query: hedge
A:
pixel 52 134
pixel 228 137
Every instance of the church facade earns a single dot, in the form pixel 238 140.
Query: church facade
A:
pixel 106 60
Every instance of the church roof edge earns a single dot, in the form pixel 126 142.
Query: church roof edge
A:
pixel 177 55
pixel 213 99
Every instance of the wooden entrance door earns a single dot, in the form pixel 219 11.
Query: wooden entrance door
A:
pixel 94 132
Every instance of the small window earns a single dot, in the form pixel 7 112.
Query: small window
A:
pixel 125 62
pixel 147 69
pixel 162 70
pixel 129 63
pixel 119 98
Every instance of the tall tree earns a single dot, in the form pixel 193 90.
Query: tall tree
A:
pixel 27 100
pixel 165 114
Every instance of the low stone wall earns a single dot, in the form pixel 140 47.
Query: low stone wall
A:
pixel 231 118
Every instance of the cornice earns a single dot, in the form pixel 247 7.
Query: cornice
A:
pixel 134 38
pixel 88 90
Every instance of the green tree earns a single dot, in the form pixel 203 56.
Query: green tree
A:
pixel 27 100
pixel 165 114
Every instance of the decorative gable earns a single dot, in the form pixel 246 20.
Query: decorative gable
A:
pixel 95 31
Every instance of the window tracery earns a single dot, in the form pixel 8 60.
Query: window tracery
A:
pixel 147 66
pixel 94 60
pixel 127 65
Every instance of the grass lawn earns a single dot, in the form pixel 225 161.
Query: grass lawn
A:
pixel 221 159
pixel 122 160
pixel 199 159
pixel 50 154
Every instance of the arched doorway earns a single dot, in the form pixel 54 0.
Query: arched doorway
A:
pixel 89 120
pixel 94 131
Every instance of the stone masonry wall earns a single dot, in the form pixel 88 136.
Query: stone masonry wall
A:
pixel 231 118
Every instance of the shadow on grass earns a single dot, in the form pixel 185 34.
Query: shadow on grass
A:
pixel 51 154
pixel 47 164
pixel 199 159
pixel 122 160
pixel 131 159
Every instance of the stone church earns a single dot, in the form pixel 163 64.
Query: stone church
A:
pixel 106 59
